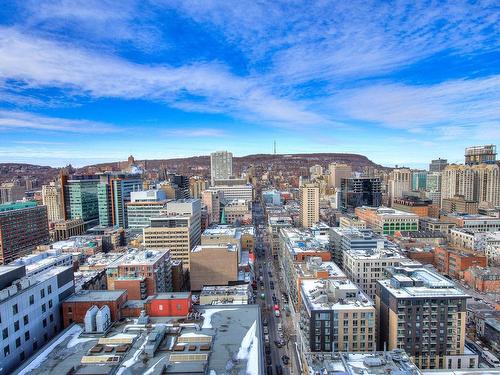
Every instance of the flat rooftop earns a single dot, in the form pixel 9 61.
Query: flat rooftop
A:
pixel 226 340
pixel 373 363
pixel 95 295
pixel 388 212
pixel 419 282
pixel 303 241
pixel 315 264
pixel 138 257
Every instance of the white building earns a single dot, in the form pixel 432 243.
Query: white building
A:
pixel 221 165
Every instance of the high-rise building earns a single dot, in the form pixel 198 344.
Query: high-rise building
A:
pixel 11 192
pixel 337 173
pixel 80 199
pixel 196 186
pixel 438 165
pixel 315 171
pixel 221 165
pixel 336 316
pixel 480 154
pixel 399 183
pixel 143 206
pixel 360 191
pixel 424 314
pixel 31 311
pixel 180 184
pixel 418 180
pixel 479 183
pixel 179 229
pixel 113 195
pixel 309 205
pixel 212 199
pixel 51 198
pixel 23 226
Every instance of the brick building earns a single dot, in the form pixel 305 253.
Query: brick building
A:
pixel 483 279
pixel 454 262
pixel 75 307
pixel 168 304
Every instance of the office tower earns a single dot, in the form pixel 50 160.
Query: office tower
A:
pixel 51 198
pixel 335 316
pixel 182 184
pixel 347 238
pixel 81 201
pixel 179 229
pixel 480 154
pixel 23 226
pixel 424 314
pixel 11 192
pixel 360 191
pixel 309 205
pixel 231 192
pixel 113 195
pixel 196 186
pixel 399 183
pixel 387 220
pixel 438 165
pixel 30 308
pixel 479 183
pixel 143 206
pixel 213 264
pixel 337 173
pixel 418 180
pixel 142 273
pixel 221 165
pixel 212 199
pixel 315 171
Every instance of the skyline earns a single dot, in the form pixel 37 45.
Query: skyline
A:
pixel 87 82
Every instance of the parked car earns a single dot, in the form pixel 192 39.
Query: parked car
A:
pixel 285 359
pixel 266 338
pixel 266 330
pixel 277 313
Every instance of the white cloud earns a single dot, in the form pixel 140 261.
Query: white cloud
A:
pixel 40 63
pixel 15 120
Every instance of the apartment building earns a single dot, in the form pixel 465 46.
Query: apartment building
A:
pixel 309 205
pixel 238 211
pixel 274 225
pixel 351 222
pixel 336 316
pixel 221 165
pixel 30 311
pixel 23 226
pixel 142 273
pixel 51 198
pixel 11 192
pixel 212 200
pixel 453 262
pixel 424 314
pixel 387 220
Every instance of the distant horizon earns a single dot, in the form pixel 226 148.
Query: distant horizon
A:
pixel 400 83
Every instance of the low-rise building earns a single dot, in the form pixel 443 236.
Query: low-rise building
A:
pixel 274 224
pixel 240 294
pixel 62 230
pixel 387 220
pixel 483 279
pixel 144 272
pixel 238 211
pixel 335 316
pixel 40 262
pixel 454 261
pixel 351 222
pixel 433 224
pixel 478 223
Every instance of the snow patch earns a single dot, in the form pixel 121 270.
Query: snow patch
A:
pixel 247 342
pixel 207 321
pixel 150 371
pixel 249 350
pixel 130 362
pixel 77 340
pixel 42 357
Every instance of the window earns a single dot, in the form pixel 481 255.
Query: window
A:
pixel 22 356
pixel 42 293
pixel 15 309
pixel 160 307
pixel 70 309
pixel 5 333
pixel 6 351
pixel 32 299
pixel 16 326
pixel 44 322
pixel 26 335
pixel 49 289
pixel 51 318
pixel 18 342
pixel 50 304
pixel 26 320
pixel 44 308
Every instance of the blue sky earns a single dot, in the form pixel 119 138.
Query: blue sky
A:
pixel 85 81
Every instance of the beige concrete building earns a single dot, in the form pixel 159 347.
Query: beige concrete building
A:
pixel 178 230
pixel 211 199
pixel 309 205
pixel 337 173
pixel 67 228
pixel 51 197
pixel 351 222
pixel 336 316
pixel 238 210
pixel 215 264
pixel 399 182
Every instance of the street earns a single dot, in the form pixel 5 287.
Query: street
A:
pixel 265 267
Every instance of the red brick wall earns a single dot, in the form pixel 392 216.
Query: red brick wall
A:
pixel 133 287
pixel 168 307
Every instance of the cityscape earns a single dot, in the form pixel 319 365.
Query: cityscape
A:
pixel 249 187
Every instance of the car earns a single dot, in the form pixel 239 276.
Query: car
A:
pixel 277 313
pixel 264 322
pixel 271 286
pixel 280 327
pixel 279 370
pixel 285 359
pixel 266 330
pixel 266 338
